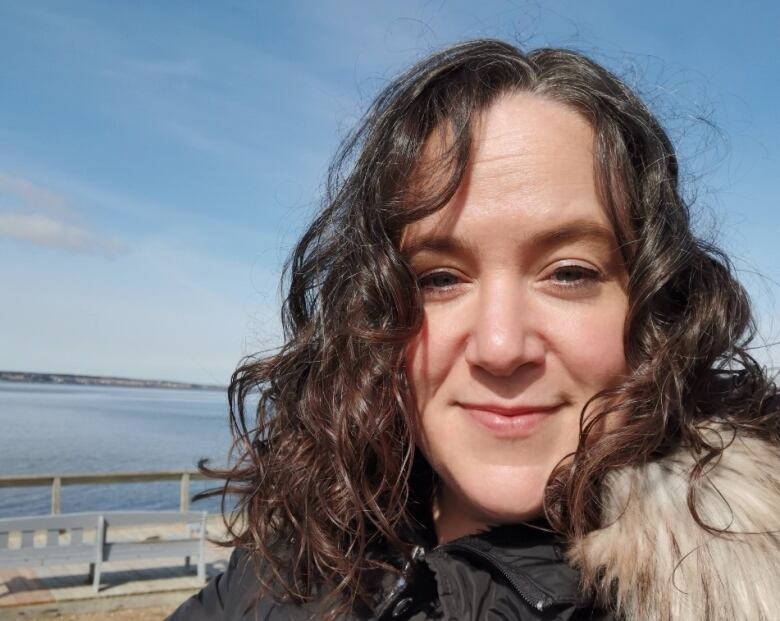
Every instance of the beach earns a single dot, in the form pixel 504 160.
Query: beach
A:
pixel 154 613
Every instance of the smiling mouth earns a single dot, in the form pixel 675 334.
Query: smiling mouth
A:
pixel 502 410
pixel 509 422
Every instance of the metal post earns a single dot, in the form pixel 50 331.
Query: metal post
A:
pixel 56 487
pixel 184 492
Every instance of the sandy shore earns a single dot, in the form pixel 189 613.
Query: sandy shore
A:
pixel 156 613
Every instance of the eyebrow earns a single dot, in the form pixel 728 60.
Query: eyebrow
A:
pixel 576 231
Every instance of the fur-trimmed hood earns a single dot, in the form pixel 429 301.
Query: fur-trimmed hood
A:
pixel 653 561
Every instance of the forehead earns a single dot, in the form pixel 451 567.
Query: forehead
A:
pixel 531 161
pixel 529 137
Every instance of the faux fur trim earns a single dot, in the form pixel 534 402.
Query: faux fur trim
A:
pixel 651 559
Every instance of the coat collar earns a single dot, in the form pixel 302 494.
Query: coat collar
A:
pixel 528 556
pixel 531 555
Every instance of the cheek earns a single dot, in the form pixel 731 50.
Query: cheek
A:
pixel 593 346
pixel 429 359
pixel 595 361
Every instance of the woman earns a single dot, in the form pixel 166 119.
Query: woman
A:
pixel 514 385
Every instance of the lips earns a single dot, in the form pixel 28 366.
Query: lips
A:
pixel 509 421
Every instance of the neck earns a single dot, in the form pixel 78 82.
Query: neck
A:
pixel 452 519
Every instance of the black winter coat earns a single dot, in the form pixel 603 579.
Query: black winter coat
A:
pixel 511 572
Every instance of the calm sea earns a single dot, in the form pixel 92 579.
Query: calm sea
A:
pixel 73 429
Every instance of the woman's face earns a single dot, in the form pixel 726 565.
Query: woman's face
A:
pixel 525 304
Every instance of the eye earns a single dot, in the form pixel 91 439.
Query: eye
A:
pixel 437 280
pixel 571 276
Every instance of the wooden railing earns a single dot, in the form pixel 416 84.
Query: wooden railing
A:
pixel 56 481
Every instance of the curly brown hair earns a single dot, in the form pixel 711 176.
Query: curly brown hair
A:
pixel 324 470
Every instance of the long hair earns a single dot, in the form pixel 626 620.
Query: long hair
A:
pixel 324 470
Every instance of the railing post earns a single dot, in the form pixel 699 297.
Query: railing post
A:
pixel 184 492
pixel 56 487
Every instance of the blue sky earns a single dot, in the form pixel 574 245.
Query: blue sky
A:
pixel 159 160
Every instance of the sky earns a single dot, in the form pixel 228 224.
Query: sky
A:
pixel 158 160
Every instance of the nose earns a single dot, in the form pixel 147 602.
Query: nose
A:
pixel 505 331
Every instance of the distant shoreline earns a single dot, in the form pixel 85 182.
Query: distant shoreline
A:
pixel 98 380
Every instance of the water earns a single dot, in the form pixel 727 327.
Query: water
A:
pixel 47 429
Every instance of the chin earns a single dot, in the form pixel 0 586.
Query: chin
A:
pixel 504 497
pixel 498 511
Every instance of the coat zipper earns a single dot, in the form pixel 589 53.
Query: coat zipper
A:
pixel 529 592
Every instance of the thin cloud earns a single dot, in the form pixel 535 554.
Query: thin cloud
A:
pixel 36 215
pixel 33 196
pixel 42 230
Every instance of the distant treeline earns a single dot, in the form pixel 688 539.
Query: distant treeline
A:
pixel 97 380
